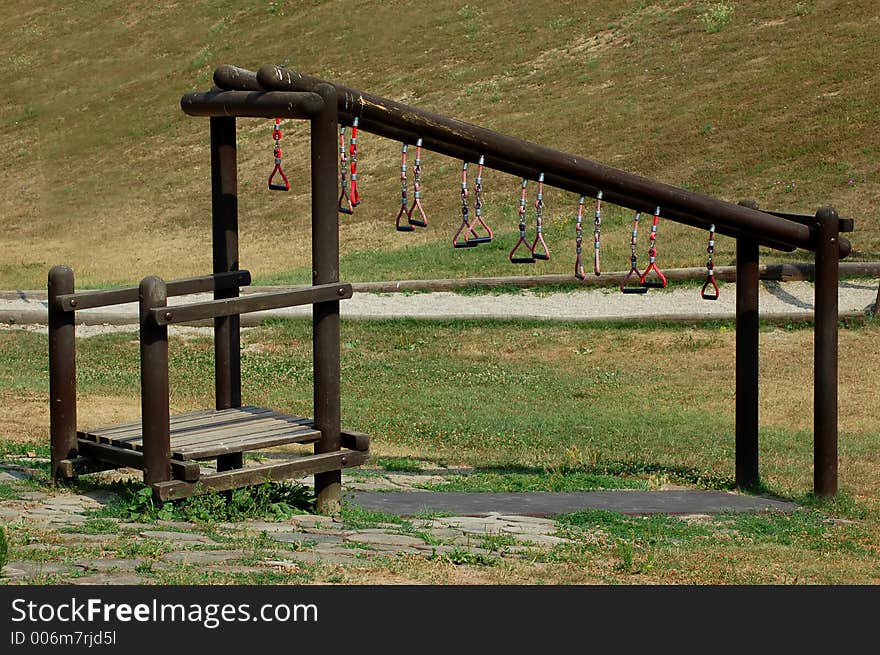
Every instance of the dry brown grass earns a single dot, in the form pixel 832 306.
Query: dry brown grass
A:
pixel 102 170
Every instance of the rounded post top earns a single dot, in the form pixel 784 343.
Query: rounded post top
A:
pixel 152 291
pixel 59 272
pixel 827 214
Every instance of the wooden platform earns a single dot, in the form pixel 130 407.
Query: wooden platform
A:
pixel 210 433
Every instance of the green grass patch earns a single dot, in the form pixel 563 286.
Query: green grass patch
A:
pixel 355 518
pixel 8 491
pixel 399 464
pixel 19 451
pixel 462 556
pixel 93 525
pixel 649 529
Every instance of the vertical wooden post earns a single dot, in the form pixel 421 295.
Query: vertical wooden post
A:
pixel 325 315
pixel 747 284
pixel 827 236
pixel 62 372
pixel 224 232
pixel 155 414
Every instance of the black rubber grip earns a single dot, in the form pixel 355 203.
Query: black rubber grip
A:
pixel 479 240
pixel 706 296
pixel 278 187
pixel 541 256
pixel 522 260
pixel 417 222
pixel 344 210
pixel 653 285
pixel 464 244
pixel 405 228
pixel 634 289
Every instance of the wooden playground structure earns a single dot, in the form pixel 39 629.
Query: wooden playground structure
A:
pixel 172 450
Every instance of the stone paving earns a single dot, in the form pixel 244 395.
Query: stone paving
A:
pixel 56 526
pixel 57 538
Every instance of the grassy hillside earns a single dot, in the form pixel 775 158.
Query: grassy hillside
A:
pixel 100 169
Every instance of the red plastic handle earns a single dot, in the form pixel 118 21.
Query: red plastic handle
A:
pixel 522 243
pixel 273 186
pixel 653 285
pixel 705 294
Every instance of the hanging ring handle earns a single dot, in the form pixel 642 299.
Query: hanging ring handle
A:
pixel 276 152
pixel 705 293
pixel 544 252
pixel 478 208
pixel 422 219
pixel 461 239
pixel 345 206
pixel 522 243
pixel 402 214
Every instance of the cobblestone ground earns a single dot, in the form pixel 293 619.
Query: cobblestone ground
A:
pixel 55 538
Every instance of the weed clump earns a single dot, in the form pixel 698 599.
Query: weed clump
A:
pixel 716 16
pixel 275 501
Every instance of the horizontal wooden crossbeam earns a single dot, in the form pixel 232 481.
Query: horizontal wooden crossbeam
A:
pixel 251 475
pixel 70 302
pixel 247 304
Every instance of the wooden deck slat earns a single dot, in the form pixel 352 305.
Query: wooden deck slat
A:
pixel 177 420
pixel 133 439
pixel 106 429
pixel 265 441
pixel 210 433
pixel 238 427
pixel 245 437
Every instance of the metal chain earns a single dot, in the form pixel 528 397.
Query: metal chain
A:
pixel 529 259
pixel 422 219
pixel 464 196
pixel 633 273
pixel 539 224
pixel 478 190
pixel 353 159
pixel 579 241
pixel 652 258
pixel 652 249
pixel 276 152
pixel 343 175
pixel 405 227
pixel 710 270
pixel 417 171
pixel 478 207
pixel 710 250
pixel 633 256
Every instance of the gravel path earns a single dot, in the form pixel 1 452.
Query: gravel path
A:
pixel 777 300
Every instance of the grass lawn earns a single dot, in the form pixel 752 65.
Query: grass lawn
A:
pixel 537 406
pixel 114 179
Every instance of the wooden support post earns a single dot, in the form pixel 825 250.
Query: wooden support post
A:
pixel 325 315
pixel 747 281
pixel 62 373
pixel 224 229
pixel 155 414
pixel 827 235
